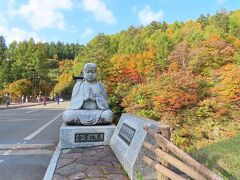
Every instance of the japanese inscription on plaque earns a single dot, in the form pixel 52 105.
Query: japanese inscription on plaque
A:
pixel 126 133
pixel 89 137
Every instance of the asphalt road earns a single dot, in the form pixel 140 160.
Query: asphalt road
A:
pixel 28 138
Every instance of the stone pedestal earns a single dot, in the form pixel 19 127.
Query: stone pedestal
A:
pixel 85 136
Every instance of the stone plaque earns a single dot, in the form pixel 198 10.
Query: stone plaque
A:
pixel 127 144
pixel 126 133
pixel 85 136
pixel 89 137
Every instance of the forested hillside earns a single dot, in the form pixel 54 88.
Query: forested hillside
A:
pixel 185 74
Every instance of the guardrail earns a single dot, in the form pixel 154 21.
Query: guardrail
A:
pixel 179 159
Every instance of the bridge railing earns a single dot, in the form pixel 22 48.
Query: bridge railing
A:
pixel 169 154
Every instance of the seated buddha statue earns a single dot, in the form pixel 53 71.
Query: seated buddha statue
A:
pixel 89 102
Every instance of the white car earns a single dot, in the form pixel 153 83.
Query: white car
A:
pixel 61 100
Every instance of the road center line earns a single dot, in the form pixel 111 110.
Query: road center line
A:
pixel 41 128
pixel 32 111
pixel 1 161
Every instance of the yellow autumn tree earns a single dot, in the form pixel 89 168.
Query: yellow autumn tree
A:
pixel 20 87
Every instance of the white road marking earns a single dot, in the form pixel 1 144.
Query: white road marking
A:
pixel 41 128
pixel 6 152
pixel 1 120
pixel 14 147
pixel 17 108
pixel 1 161
pixel 32 151
pixel 31 111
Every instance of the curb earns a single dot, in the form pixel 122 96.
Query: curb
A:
pixel 21 106
pixel 53 163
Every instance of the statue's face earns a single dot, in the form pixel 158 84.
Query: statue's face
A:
pixel 90 73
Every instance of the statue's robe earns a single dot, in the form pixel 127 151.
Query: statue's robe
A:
pixel 92 115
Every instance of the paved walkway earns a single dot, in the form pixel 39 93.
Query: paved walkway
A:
pixel 95 163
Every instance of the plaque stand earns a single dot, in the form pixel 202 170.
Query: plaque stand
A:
pixel 85 136
pixel 127 141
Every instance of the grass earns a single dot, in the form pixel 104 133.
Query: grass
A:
pixel 139 175
pixel 223 158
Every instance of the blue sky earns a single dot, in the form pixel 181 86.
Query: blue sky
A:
pixel 81 20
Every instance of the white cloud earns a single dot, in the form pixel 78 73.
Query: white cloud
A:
pixel 13 33
pixel 99 10
pixel 17 34
pixel 44 13
pixel 88 32
pixel 146 15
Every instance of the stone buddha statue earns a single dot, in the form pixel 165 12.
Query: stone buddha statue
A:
pixel 89 102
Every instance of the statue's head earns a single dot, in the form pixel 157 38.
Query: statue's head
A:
pixel 90 72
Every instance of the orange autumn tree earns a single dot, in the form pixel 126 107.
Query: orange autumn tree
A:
pixel 133 68
pixel 127 71
pixel 211 54
pixel 228 86
pixel 2 96
pixel 170 93
pixel 65 81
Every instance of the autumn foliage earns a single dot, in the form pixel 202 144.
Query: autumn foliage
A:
pixel 20 87
pixel 184 74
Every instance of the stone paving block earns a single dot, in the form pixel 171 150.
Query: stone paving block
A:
pixel 89 152
pixel 116 177
pixel 79 175
pixel 104 163
pixel 98 163
pixel 110 159
pixel 107 150
pixel 112 170
pixel 64 162
pixel 71 169
pixel 59 177
pixel 74 150
pixel 101 155
pixel 117 164
pixel 94 171
pixel 71 156
pixel 88 161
